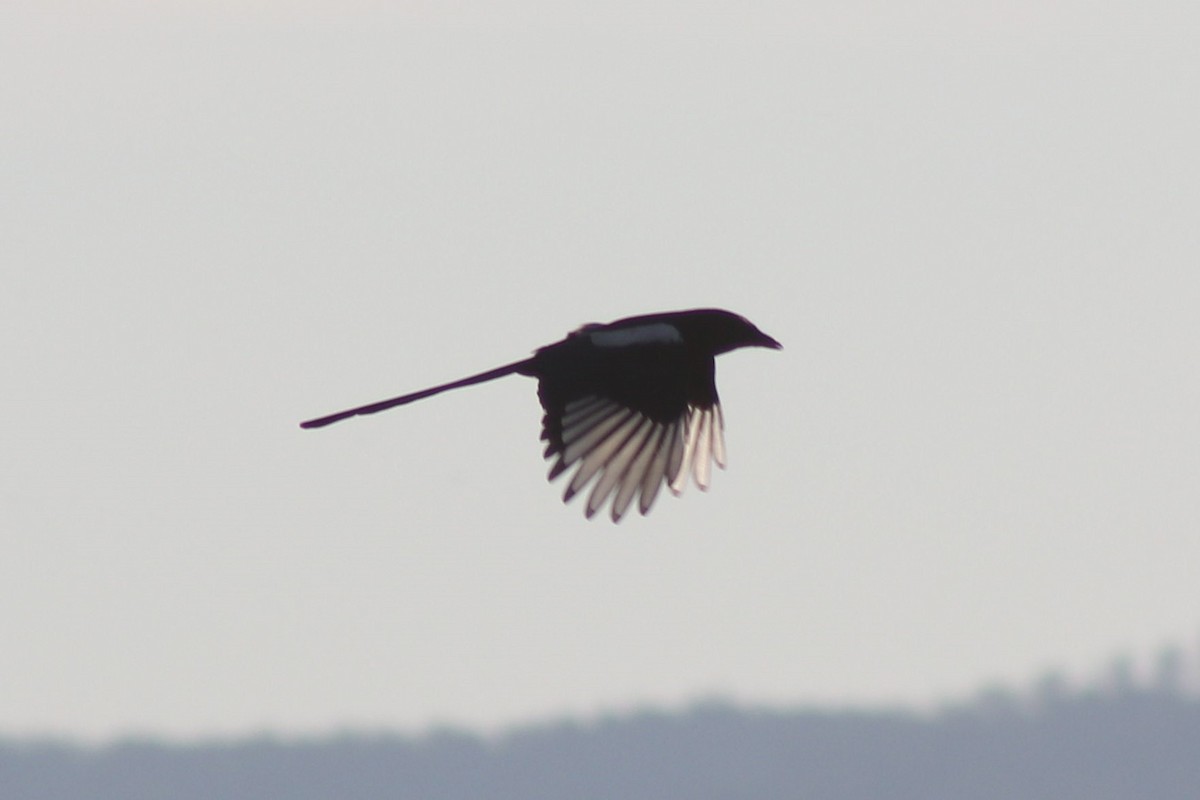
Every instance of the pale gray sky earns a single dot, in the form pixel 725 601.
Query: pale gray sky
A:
pixel 973 226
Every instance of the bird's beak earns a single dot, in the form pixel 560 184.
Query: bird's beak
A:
pixel 767 341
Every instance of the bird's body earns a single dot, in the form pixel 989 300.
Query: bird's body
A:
pixel 633 401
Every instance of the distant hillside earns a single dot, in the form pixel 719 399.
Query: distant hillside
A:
pixel 1132 744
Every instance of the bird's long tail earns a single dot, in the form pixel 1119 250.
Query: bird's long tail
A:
pixel 383 405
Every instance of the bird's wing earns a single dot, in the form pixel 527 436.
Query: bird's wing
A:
pixel 633 407
pixel 629 454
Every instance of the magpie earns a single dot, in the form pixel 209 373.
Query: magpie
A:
pixel 633 403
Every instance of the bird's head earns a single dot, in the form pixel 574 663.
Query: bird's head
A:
pixel 721 331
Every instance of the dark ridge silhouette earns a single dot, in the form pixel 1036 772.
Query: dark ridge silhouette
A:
pixel 1136 743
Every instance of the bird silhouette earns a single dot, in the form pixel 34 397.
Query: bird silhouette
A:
pixel 633 403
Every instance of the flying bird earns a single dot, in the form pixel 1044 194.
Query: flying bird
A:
pixel 632 403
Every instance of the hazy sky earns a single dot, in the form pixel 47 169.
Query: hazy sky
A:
pixel 973 226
